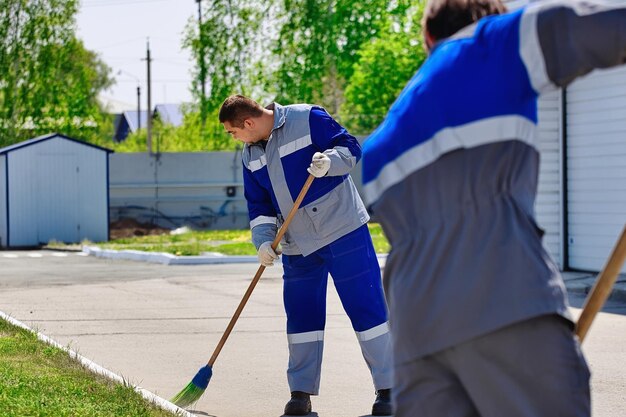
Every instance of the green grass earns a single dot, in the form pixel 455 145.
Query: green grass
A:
pixel 381 244
pixel 227 242
pixel 37 379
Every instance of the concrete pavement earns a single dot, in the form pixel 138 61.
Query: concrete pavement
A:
pixel 576 282
pixel 155 325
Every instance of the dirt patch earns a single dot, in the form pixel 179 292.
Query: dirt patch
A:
pixel 130 228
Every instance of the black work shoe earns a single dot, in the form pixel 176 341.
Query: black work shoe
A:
pixel 382 405
pixel 299 404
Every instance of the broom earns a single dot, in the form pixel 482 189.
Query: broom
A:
pixel 602 287
pixel 194 390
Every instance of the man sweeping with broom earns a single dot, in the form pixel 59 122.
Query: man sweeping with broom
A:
pixel 328 234
pixel 478 310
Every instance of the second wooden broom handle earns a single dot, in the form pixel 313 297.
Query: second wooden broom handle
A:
pixel 259 272
pixel 602 287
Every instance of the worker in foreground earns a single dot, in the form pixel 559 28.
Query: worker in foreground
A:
pixel 478 310
pixel 328 234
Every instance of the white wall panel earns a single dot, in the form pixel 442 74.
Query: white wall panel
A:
pixel 57 191
pixel 56 200
pixel 22 192
pixel 93 208
pixel 548 206
pixel 596 161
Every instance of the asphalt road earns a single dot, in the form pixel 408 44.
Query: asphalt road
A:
pixel 156 325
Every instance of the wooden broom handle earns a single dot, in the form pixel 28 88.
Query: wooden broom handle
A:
pixel 259 272
pixel 602 287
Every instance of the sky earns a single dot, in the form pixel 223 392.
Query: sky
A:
pixel 118 31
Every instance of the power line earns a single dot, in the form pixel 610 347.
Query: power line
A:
pixel 125 42
pixel 175 63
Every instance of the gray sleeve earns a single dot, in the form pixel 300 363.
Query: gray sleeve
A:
pixel 341 160
pixel 561 41
pixel 264 232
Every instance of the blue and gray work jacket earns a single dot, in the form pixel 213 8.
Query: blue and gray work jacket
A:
pixel 275 170
pixel 451 173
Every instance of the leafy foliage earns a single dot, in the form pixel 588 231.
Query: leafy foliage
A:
pixel 189 137
pixel 318 45
pixel 385 65
pixel 351 56
pixel 223 48
pixel 48 80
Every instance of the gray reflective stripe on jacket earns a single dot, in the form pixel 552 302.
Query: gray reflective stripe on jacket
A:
pixel 333 215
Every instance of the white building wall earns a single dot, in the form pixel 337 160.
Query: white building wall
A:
pixel 596 166
pixel 548 206
pixel 57 190
pixel 93 188
pixel 22 191
pixel 3 202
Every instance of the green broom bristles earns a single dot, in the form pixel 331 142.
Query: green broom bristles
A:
pixel 188 396
pixel 194 390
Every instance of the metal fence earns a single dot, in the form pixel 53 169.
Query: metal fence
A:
pixel 199 190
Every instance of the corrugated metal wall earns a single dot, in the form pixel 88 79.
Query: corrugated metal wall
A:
pixel 93 194
pixel 57 190
pixel 23 211
pixel 548 206
pixel 3 202
pixel 596 166
pixel 177 189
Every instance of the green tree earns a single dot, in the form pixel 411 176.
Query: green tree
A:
pixel 48 80
pixel 185 138
pixel 227 47
pixel 351 56
pixel 319 43
pixel 384 66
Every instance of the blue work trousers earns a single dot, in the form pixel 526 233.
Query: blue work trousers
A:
pixel 351 261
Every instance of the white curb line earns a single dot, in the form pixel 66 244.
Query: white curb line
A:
pixel 166 258
pixel 169 259
pixel 97 369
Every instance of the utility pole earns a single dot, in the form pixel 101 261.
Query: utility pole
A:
pixel 149 137
pixel 138 107
pixel 138 96
pixel 202 67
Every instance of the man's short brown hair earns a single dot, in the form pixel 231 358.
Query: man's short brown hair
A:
pixel 443 18
pixel 238 108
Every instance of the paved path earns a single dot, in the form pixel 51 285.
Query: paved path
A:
pixel 156 325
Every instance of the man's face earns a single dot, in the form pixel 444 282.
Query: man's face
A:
pixel 245 134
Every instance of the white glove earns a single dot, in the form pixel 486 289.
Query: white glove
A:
pixel 267 255
pixel 320 164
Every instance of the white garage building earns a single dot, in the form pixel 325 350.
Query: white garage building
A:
pixel 53 188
